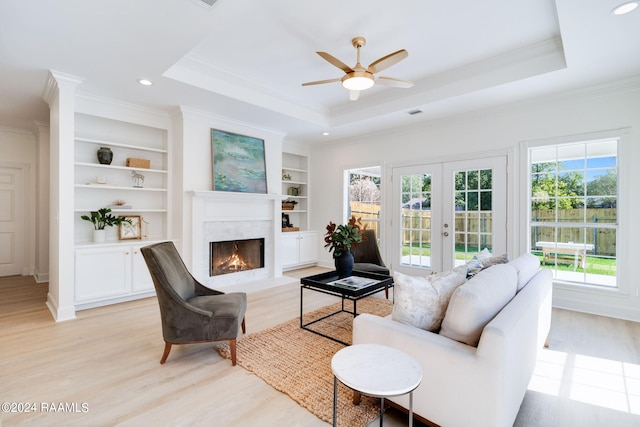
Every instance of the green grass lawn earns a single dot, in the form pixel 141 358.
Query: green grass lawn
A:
pixel 594 264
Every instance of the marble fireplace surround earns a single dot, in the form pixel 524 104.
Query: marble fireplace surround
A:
pixel 219 216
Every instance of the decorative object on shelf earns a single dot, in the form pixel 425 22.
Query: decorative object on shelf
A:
pixel 288 205
pixel 133 162
pixel 286 222
pixel 101 180
pixel 101 219
pixel 285 176
pixel 145 227
pixel 137 178
pixel 105 155
pixel 120 204
pixel 340 239
pixel 293 191
pixel 238 163
pixel 131 227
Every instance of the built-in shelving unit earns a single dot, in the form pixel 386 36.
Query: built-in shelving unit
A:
pixel 295 176
pixel 300 247
pixel 98 185
pixel 115 270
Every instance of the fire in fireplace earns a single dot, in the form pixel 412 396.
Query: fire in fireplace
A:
pixel 235 255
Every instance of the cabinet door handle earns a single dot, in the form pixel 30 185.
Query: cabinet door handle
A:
pixel 126 253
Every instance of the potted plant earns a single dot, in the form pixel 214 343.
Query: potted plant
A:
pixel 100 219
pixel 288 205
pixel 340 239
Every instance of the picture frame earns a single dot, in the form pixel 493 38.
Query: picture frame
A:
pixel 286 222
pixel 238 163
pixel 131 231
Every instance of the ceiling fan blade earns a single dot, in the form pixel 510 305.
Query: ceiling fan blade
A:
pixel 335 61
pixel 387 61
pixel 321 82
pixel 354 95
pixel 393 82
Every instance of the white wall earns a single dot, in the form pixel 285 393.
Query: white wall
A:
pixel 196 167
pixel 503 128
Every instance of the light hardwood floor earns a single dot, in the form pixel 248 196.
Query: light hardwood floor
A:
pixel 108 360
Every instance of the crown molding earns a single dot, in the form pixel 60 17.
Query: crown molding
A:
pixel 55 81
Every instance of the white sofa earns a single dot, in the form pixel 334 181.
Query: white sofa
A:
pixel 464 385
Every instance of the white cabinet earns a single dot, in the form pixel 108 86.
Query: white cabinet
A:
pixel 299 249
pixel 110 273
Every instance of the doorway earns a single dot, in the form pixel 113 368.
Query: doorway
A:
pixel 12 220
pixel 445 213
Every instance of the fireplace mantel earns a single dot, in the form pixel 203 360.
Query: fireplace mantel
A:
pixel 229 195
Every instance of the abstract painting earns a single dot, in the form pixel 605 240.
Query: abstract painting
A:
pixel 238 163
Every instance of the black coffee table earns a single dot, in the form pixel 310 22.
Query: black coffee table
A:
pixel 359 285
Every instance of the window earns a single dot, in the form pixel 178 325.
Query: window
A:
pixel 573 190
pixel 364 196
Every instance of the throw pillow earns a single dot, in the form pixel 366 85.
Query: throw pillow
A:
pixel 475 303
pixel 488 259
pixel 422 301
pixel 474 266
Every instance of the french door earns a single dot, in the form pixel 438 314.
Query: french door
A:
pixel 445 213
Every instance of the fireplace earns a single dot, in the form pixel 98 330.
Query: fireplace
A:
pixel 232 256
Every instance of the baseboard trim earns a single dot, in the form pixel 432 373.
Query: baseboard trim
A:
pixel 59 315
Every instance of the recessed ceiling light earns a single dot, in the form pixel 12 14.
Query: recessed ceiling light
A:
pixel 326 133
pixel 145 82
pixel 624 8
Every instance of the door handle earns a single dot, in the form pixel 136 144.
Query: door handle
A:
pixel 445 234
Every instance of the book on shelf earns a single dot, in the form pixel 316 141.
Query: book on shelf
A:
pixel 353 282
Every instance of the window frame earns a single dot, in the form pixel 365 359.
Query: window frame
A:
pixel 622 136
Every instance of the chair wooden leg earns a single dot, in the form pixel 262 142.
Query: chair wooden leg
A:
pixel 546 342
pixel 232 348
pixel 244 326
pixel 167 349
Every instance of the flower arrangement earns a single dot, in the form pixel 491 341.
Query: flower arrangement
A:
pixel 341 238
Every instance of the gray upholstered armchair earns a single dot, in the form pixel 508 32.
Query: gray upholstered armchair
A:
pixel 191 312
pixel 366 255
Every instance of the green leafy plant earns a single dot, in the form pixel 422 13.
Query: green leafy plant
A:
pixel 103 218
pixel 341 238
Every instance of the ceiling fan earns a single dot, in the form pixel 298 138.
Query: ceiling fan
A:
pixel 359 78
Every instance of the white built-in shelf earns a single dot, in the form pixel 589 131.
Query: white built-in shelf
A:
pixel 115 187
pixel 98 165
pixel 132 211
pixel 119 144
pixel 294 170
pixel 294 211
pixel 294 182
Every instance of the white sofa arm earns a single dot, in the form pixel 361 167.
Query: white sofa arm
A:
pixel 454 376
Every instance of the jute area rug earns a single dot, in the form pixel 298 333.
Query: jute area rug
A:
pixel 298 362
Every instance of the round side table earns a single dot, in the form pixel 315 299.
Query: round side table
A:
pixel 377 371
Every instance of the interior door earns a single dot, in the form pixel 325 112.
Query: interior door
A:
pixel 12 232
pixel 445 213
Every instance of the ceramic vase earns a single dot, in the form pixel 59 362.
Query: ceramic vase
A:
pixel 344 264
pixel 99 236
pixel 105 155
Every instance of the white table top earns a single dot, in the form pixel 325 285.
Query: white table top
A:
pixel 376 370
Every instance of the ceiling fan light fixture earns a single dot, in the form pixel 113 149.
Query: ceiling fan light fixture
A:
pixel 357 82
pixel 624 8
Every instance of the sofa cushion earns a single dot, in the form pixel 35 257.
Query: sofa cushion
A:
pixel 422 301
pixel 475 303
pixel 527 265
